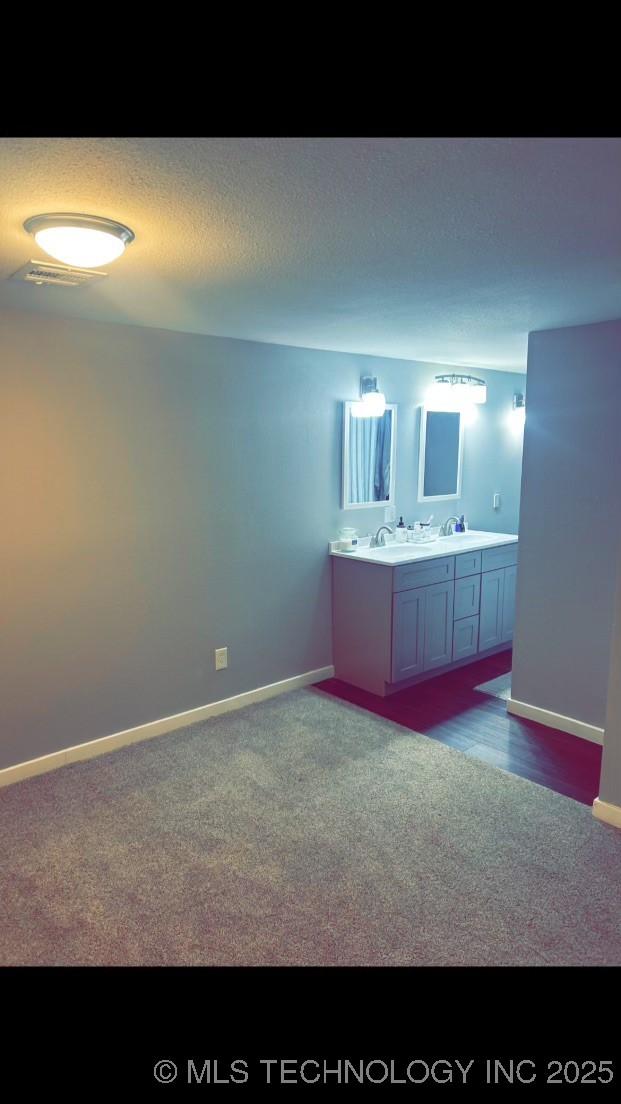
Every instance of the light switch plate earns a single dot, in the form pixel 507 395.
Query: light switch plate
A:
pixel 390 513
pixel 222 658
pixel 496 502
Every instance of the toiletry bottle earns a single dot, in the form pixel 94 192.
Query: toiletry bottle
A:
pixel 463 523
pixel 401 532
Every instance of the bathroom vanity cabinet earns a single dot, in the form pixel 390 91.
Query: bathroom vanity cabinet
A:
pixel 399 623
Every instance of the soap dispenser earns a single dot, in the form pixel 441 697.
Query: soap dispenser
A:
pixel 401 531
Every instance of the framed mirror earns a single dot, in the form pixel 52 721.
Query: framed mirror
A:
pixel 369 452
pixel 441 447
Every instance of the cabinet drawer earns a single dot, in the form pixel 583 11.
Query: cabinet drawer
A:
pixel 467 594
pixel 469 563
pixel 504 556
pixel 407 576
pixel 465 637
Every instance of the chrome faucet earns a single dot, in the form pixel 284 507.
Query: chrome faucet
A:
pixel 379 539
pixel 447 529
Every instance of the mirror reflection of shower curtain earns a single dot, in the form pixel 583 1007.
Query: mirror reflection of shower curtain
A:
pixel 369 458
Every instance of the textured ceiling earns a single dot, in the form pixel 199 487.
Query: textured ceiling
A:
pixel 446 249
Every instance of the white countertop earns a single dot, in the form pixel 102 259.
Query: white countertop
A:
pixel 393 553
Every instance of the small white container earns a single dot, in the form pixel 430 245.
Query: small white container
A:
pixel 349 539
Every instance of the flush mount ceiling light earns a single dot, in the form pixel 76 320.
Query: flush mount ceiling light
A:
pixel 82 241
pixel 372 402
pixel 458 389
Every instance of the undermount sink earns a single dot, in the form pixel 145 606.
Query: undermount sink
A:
pixel 468 535
pixel 394 551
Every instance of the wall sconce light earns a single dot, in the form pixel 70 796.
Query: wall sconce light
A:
pixel 82 241
pixel 457 390
pixel 517 415
pixel 372 401
pixel 519 409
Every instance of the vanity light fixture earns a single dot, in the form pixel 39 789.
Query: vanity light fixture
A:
pixel 458 390
pixel 82 241
pixel 372 401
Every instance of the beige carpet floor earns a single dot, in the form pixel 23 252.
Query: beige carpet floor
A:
pixel 302 830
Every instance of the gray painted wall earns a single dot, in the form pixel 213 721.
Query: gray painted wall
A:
pixel 164 494
pixel 570 521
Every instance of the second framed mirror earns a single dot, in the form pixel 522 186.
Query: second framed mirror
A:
pixel 440 455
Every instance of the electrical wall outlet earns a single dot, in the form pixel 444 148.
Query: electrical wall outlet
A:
pixel 390 513
pixel 222 658
pixel 496 502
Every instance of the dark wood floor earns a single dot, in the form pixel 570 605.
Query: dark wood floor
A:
pixel 449 709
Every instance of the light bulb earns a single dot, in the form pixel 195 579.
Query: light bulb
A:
pixel 455 392
pixel 469 413
pixel 516 419
pixel 375 402
pixel 372 405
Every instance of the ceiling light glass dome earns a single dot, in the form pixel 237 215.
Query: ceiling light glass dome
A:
pixel 82 241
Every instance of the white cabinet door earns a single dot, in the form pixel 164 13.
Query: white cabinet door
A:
pixel 508 604
pixel 408 633
pixel 438 625
pixel 422 629
pixel 490 618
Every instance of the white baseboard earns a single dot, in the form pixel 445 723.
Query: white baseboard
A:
pixel 610 814
pixel 556 720
pixel 104 744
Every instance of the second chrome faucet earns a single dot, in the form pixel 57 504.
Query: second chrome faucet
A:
pixel 446 529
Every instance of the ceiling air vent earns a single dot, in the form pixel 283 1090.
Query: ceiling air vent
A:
pixel 46 274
